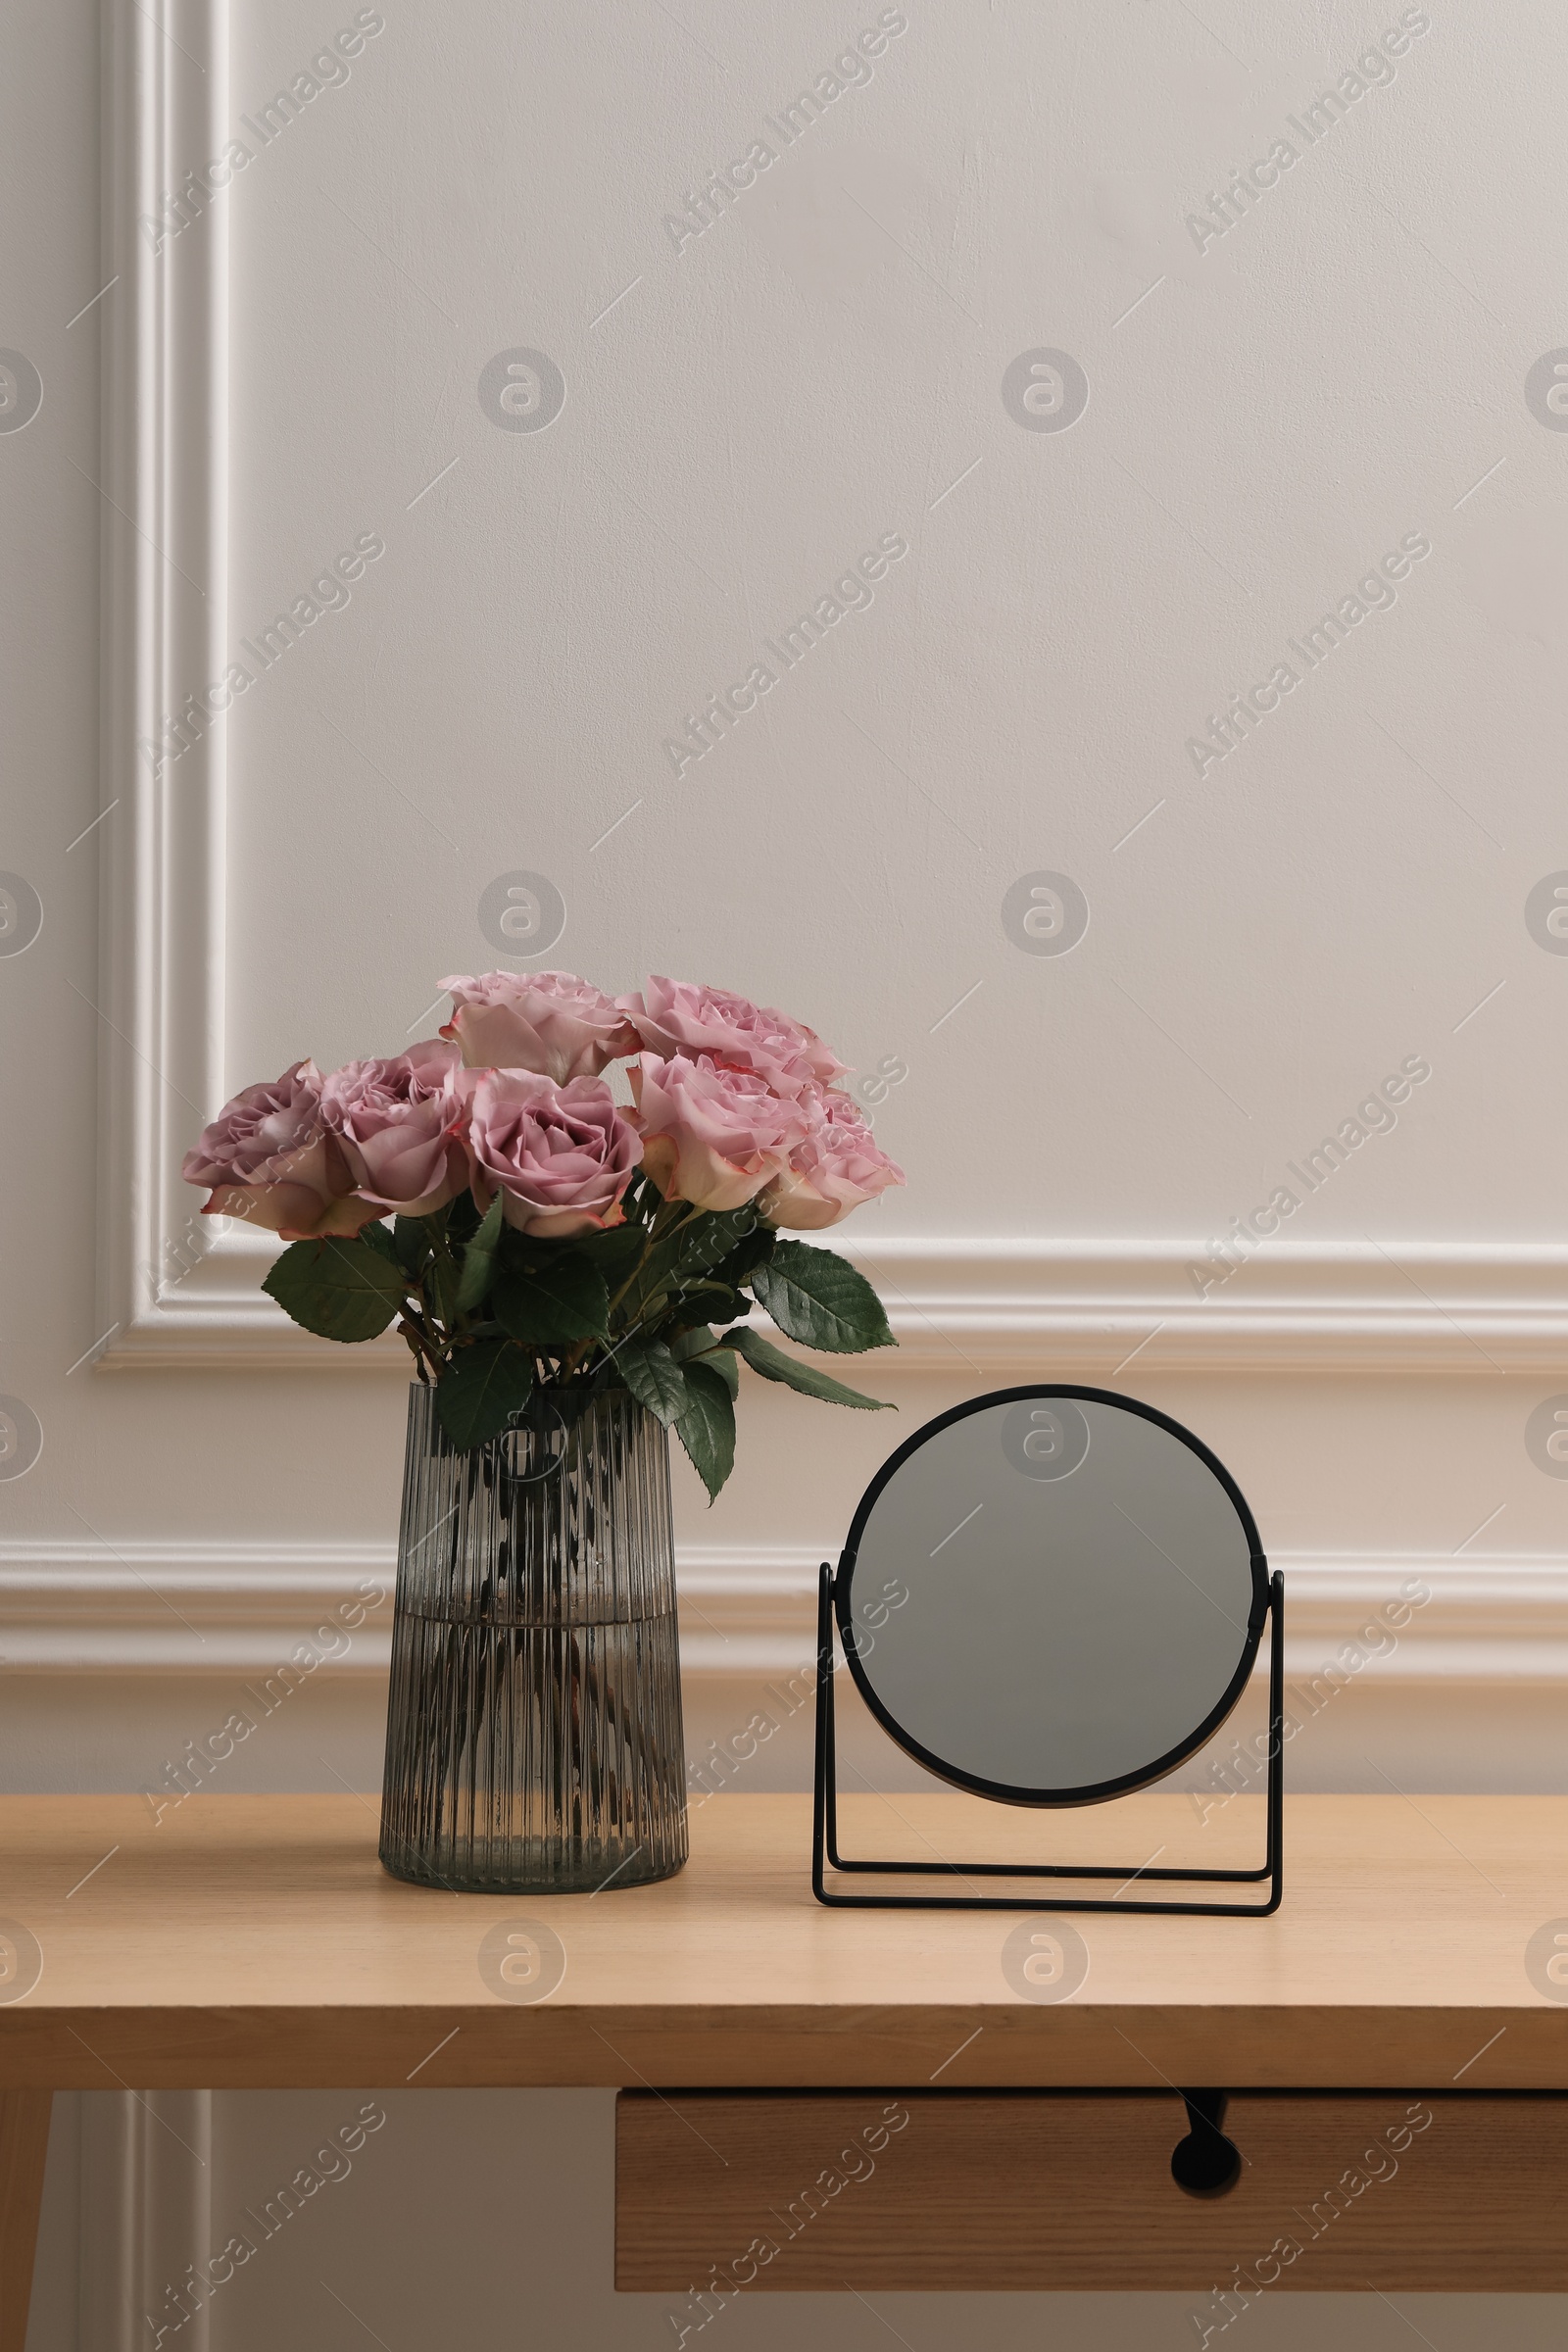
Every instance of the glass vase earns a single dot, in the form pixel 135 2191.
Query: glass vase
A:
pixel 535 1740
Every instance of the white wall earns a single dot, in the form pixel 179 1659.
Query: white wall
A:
pixel 824 364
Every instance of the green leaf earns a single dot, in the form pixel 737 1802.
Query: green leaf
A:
pixel 817 1298
pixel 722 1361
pixel 561 1299
pixel 481 1387
pixel 479 1260
pixel 774 1364
pixel 706 1302
pixel 379 1238
pixel 460 1219
pixel 339 1289
pixel 615 1253
pixel 683 1257
pixel 707 1428
pixel 441 1281
pixel 748 1254
pixel 653 1378
pixel 410 1245
pixel 708 1239
pixel 715 1355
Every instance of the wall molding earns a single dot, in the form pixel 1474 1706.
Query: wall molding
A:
pixel 164 636
pixel 145 2213
pixel 1040 1310
pixel 747 1610
pixel 173 1293
pixel 1467 1307
pixel 145 2202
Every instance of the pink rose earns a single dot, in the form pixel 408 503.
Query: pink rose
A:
pixel 561 1157
pixel 548 1021
pixel 712 1134
pixel 832 1170
pixel 676 1017
pixel 272 1160
pixel 400 1126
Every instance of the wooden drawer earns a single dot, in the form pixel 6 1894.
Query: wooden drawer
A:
pixel 721 2191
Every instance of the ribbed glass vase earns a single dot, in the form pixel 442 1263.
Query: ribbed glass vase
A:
pixel 535 1740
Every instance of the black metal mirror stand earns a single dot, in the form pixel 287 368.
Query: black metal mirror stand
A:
pixel 825 1853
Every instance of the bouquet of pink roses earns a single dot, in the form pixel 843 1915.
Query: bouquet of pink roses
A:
pixel 543 1236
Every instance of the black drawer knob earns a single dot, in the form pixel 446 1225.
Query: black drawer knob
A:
pixel 1205 2164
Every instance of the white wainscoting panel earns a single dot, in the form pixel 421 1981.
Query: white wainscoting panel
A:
pixel 247 1608
pixel 146 2219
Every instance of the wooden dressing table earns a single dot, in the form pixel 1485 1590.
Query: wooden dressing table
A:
pixel 872 2096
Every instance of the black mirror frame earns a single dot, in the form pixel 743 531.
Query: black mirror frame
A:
pixel 1100 1792
pixel 834 1603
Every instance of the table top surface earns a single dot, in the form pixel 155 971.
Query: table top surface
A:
pixel 255 1940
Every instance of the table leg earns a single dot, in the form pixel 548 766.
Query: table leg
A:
pixel 23 2147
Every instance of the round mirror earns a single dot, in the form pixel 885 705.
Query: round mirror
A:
pixel 1052 1595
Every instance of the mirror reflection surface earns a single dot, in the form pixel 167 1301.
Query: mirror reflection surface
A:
pixel 1051 1593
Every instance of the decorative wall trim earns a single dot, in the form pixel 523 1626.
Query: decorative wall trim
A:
pixel 1030 1307
pixel 146 2175
pixel 1038 1309
pixel 164 638
pixel 145 2215
pixel 173 1293
pixel 191 1609
pixel 747 1610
